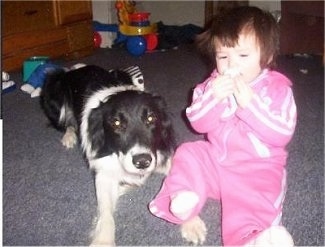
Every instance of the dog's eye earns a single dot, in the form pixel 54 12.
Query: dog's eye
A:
pixel 116 124
pixel 151 119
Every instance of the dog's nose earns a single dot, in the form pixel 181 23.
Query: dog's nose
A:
pixel 142 161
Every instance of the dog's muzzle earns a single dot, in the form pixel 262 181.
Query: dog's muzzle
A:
pixel 142 161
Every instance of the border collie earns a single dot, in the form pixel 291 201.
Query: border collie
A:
pixel 125 132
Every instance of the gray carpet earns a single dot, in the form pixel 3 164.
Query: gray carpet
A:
pixel 48 192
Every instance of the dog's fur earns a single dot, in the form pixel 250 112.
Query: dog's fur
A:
pixel 125 132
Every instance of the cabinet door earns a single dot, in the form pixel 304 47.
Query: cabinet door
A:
pixel 213 8
pixel 23 16
pixel 72 11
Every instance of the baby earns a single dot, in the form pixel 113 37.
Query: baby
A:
pixel 248 113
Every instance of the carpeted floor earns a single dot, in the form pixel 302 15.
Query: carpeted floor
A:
pixel 48 192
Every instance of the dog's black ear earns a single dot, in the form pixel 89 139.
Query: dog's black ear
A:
pixel 96 135
pixel 167 127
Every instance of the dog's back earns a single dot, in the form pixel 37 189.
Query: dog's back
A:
pixel 63 93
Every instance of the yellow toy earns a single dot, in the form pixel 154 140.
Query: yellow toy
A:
pixel 131 22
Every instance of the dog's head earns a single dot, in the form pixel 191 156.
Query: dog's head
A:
pixel 135 126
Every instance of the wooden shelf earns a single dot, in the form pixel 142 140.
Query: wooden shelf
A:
pixel 45 28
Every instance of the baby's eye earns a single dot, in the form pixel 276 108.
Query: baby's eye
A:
pixel 243 55
pixel 221 57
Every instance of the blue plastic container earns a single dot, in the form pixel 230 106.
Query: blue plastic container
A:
pixel 31 64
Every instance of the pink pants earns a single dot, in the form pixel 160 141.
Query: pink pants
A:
pixel 251 193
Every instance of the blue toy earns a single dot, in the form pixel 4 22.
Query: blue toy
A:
pixel 36 79
pixel 31 64
pixel 136 45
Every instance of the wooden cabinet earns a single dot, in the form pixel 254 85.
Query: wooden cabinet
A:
pixel 302 27
pixel 45 28
pixel 213 8
pixel 69 12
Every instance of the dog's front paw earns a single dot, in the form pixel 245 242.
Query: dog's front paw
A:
pixel 194 231
pixel 70 138
pixel 103 239
pixel 100 243
pixel 103 233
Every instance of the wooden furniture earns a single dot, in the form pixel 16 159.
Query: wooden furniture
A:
pixel 302 27
pixel 213 8
pixel 45 28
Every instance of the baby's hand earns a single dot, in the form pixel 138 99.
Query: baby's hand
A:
pixel 243 93
pixel 222 87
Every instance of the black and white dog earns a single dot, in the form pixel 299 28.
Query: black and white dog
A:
pixel 125 132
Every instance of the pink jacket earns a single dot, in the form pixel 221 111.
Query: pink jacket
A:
pixel 261 130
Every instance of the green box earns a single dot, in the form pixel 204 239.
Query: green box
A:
pixel 31 64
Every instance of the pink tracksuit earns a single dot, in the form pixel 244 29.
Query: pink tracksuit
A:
pixel 242 163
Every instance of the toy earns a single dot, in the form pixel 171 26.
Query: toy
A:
pixel 152 41
pixel 97 39
pixel 101 28
pixel 133 23
pixel 135 75
pixel 31 64
pixel 133 29
pixel 136 45
pixel 7 84
pixel 35 82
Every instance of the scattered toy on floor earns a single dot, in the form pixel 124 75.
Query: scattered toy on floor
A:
pixel 135 74
pixel 35 82
pixel 7 84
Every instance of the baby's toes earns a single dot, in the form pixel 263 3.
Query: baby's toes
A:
pixel 194 231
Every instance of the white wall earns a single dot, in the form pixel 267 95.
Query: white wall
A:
pixel 267 5
pixel 174 12
pixel 104 12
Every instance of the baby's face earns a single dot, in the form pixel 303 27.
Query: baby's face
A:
pixel 241 60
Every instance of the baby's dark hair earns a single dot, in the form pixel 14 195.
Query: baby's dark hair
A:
pixel 227 26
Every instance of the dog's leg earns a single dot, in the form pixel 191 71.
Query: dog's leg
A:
pixel 194 231
pixel 70 137
pixel 107 191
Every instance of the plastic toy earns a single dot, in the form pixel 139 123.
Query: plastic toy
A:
pixel 7 84
pixel 136 27
pixel 135 74
pixel 131 24
pixel 31 64
pixel 152 41
pixel 136 45
pixel 36 80
pixel 97 39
